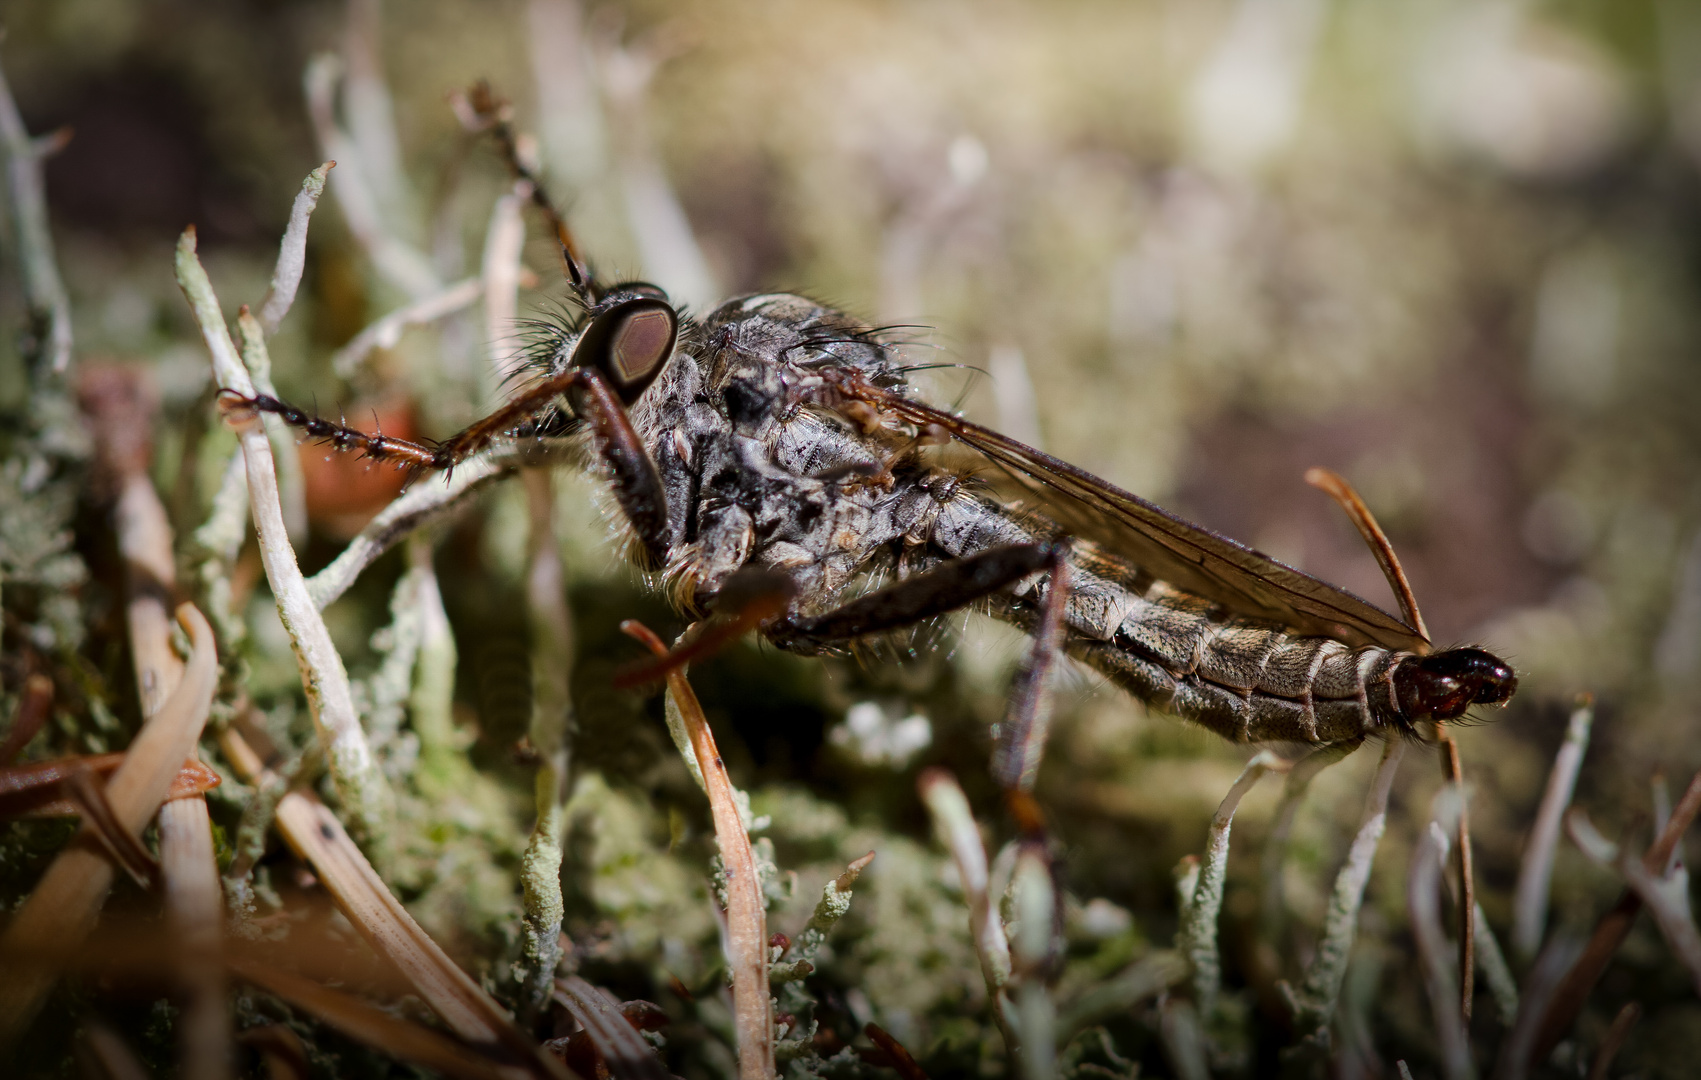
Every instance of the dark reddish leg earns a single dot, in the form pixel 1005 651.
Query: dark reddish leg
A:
pixel 637 484
pixel 1021 742
pixel 945 588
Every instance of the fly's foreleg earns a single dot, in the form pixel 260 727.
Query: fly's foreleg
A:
pixel 637 484
pixel 943 589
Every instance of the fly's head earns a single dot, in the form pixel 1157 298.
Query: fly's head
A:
pixel 1443 685
pixel 629 335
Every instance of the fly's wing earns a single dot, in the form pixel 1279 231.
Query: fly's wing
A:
pixel 1246 581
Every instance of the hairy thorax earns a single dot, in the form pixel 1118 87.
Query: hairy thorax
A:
pixel 757 473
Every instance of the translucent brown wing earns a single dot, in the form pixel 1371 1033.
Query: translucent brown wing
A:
pixel 1188 556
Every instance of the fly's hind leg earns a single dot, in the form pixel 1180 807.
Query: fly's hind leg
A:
pixel 939 591
pixel 755 598
pixel 955 585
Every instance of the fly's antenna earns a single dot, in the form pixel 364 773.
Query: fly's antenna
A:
pixel 1336 487
pixel 480 110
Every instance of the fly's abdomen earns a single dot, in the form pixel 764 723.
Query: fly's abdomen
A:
pixel 1346 702
pixel 1246 680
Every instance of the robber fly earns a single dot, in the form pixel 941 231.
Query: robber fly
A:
pixel 779 438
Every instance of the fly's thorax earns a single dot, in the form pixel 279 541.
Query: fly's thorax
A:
pixel 754 478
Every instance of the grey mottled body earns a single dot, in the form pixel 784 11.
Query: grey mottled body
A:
pixel 763 466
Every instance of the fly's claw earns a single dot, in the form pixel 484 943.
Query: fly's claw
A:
pixel 238 409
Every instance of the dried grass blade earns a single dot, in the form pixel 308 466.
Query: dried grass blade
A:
pixel 747 919
pixel 38 789
pixel 623 1050
pixel 1336 487
pixel 124 846
pixel 63 907
pixel 315 834
pixel 401 1039
pixel 1467 880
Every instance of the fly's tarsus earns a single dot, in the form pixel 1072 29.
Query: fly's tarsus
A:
pixel 404 454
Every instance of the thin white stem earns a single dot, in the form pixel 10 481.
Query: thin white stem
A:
pixel 402 265
pixel 503 241
pixel 1314 1002
pixel 292 252
pixel 43 289
pixel 1035 904
pixel 552 660
pixel 955 826
pixel 1273 916
pixel 1198 937
pixel 425 500
pixel 1529 904
pixel 1423 901
pixel 292 479
pixel 359 782
pixel 387 330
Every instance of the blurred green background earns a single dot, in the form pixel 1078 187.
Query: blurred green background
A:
pixel 1449 249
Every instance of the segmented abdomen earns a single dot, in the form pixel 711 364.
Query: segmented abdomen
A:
pixel 1246 680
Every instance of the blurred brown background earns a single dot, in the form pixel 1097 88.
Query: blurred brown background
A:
pixel 1452 250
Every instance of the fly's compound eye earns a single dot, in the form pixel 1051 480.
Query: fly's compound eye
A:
pixel 629 344
pixel 628 289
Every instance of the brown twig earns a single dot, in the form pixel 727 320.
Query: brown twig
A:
pixel 747 921
pixel 121 409
pixel 1610 931
pixel 35 704
pixel 897 1058
pixel 1615 1039
pixel 1666 897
